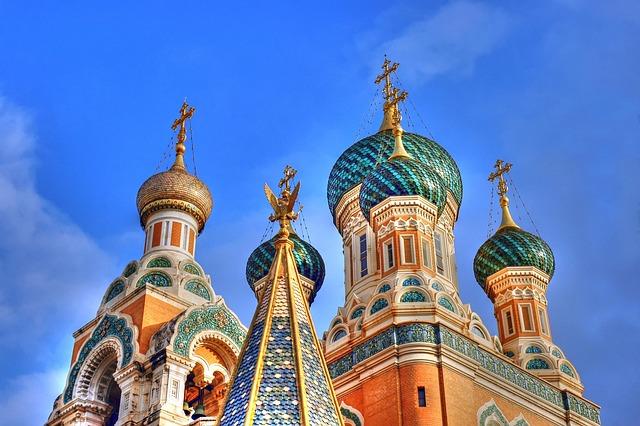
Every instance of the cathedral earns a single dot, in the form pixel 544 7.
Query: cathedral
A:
pixel 403 349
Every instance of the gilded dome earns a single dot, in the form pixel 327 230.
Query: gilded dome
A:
pixel 308 261
pixel 512 246
pixel 401 176
pixel 359 160
pixel 175 189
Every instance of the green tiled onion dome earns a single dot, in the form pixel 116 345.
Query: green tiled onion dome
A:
pixel 401 176
pixel 308 261
pixel 360 159
pixel 512 246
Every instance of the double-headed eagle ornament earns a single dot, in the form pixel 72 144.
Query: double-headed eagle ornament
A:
pixel 283 205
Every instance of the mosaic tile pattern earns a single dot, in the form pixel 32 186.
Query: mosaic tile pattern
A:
pixel 360 159
pixel 114 290
pixel 411 282
pixel 384 288
pixel 567 370
pixel 109 326
pixel 492 410
pixel 130 269
pixel 198 288
pixel 277 401
pixel 512 247
pixel 192 269
pixel 537 364
pixel 440 335
pixel 308 261
pixel 357 313
pixel 378 305
pixel 437 286
pixel 159 262
pixel 217 318
pixel 157 279
pixel 446 303
pixel 533 350
pixel 413 297
pixel 401 176
pixel 349 415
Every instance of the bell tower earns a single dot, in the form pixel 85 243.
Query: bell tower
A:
pixel 163 345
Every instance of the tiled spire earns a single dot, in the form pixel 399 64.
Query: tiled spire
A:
pixel 282 377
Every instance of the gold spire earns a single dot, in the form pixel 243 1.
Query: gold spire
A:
pixel 392 97
pixel 502 168
pixel 186 112
pixel 283 205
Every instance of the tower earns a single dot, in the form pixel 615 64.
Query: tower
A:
pixel 514 268
pixel 282 377
pixel 404 349
pixel 163 345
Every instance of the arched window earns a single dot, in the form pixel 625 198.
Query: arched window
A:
pixel 338 335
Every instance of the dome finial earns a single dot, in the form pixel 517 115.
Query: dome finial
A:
pixel 186 112
pixel 283 205
pixel 502 168
pixel 392 97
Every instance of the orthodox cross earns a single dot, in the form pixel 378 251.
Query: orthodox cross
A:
pixel 386 76
pixel 186 112
pixel 289 174
pixel 501 168
pixel 392 96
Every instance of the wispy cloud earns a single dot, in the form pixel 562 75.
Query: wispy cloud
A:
pixel 53 273
pixel 449 41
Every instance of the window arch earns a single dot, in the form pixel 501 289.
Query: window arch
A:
pixel 411 281
pixel 378 305
pixel 338 335
pixel 159 262
pixel 357 312
pixel 446 303
pixel 413 297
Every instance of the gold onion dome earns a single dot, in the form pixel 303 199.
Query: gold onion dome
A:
pixel 176 188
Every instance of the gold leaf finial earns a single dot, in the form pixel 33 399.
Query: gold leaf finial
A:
pixel 503 168
pixel 186 112
pixel 284 204
pixel 392 97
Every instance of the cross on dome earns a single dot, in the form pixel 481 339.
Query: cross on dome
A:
pixel 503 168
pixel 186 113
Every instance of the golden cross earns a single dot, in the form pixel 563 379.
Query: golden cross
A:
pixel 289 174
pixel 386 76
pixel 396 97
pixel 501 168
pixel 186 112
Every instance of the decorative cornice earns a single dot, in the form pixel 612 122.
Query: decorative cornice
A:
pixel 173 204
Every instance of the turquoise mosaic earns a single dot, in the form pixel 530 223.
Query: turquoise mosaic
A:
pixel 360 159
pixel 556 353
pixel 216 318
pixel 192 269
pixel 308 261
pixel 159 262
pixel 537 364
pixel 413 297
pixel 109 326
pixel 567 370
pixel 512 247
pixel 357 313
pixel 130 269
pixel 114 290
pixel 349 415
pixel 384 288
pixel 492 411
pixel 533 350
pixel 411 282
pixel 378 305
pixel 440 335
pixel 437 286
pixel 158 279
pixel 198 288
pixel 398 177
pixel 446 303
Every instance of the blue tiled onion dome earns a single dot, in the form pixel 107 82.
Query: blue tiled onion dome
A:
pixel 512 246
pixel 401 176
pixel 360 159
pixel 308 261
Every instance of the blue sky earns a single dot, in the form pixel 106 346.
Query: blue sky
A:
pixel 88 93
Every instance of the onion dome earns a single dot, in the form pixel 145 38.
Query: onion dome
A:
pixel 176 188
pixel 308 261
pixel 359 160
pixel 401 176
pixel 512 246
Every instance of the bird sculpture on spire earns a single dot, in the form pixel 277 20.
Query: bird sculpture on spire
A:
pixel 283 206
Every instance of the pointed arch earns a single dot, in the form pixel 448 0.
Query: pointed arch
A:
pixel 490 415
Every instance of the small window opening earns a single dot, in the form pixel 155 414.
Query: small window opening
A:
pixel 422 397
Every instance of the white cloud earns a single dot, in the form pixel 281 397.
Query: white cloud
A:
pixel 53 273
pixel 451 41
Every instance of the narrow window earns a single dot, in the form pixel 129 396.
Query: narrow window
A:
pixel 525 314
pixel 439 254
pixel 426 253
pixel 543 321
pixel 508 322
pixel 363 256
pixel 167 229
pixel 388 253
pixel 422 397
pixel 407 249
